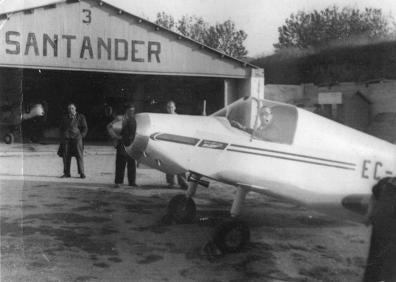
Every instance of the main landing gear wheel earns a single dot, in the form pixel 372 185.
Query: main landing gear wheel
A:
pixel 181 209
pixel 9 138
pixel 231 235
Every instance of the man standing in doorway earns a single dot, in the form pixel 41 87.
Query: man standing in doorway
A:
pixel 170 178
pixel 123 129
pixel 73 129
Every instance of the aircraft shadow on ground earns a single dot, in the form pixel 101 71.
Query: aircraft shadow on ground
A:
pixel 210 211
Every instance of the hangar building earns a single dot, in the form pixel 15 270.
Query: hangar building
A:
pixel 94 54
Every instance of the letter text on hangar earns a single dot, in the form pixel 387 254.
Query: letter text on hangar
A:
pixel 99 48
pixel 93 35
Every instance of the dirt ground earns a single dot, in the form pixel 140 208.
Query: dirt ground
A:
pixel 54 229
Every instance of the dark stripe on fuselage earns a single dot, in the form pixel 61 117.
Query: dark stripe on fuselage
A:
pixel 295 155
pixel 290 159
pixel 194 141
pixel 175 138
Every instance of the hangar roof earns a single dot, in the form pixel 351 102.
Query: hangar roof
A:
pixel 12 6
pixel 29 6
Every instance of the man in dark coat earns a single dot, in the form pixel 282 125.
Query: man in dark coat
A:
pixel 123 130
pixel 381 261
pixel 73 129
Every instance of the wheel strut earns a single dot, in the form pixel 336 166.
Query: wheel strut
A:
pixel 238 202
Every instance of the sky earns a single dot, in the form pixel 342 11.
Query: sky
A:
pixel 260 19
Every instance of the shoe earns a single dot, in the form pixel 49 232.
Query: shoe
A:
pixel 65 176
pixel 133 185
pixel 116 185
pixel 82 175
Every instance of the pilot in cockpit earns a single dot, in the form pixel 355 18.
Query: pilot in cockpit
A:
pixel 266 130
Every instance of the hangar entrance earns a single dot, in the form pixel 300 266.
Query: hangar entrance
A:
pixel 97 95
pixel 107 56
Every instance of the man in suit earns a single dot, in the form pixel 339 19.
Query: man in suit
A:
pixel 73 129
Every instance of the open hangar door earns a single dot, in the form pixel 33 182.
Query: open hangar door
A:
pixel 99 95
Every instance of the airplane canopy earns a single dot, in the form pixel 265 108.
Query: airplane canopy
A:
pixel 246 114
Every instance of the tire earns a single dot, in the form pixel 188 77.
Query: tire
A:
pixel 182 209
pixel 9 138
pixel 231 236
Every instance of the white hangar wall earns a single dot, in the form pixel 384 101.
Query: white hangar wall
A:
pixel 87 36
pixel 93 36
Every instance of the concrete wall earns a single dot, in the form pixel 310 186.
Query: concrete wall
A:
pixel 383 96
pixel 372 110
pixel 356 112
pixel 383 110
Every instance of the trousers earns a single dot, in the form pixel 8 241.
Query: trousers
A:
pixel 73 147
pixel 122 161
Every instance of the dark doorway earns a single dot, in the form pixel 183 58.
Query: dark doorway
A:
pixel 94 93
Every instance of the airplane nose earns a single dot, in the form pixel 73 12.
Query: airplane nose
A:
pixel 139 144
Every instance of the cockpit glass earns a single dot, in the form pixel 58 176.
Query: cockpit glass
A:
pixel 262 119
pixel 242 111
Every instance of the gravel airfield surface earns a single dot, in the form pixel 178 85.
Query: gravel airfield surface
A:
pixel 76 229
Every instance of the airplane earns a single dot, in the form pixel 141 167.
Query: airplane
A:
pixel 308 159
pixel 12 117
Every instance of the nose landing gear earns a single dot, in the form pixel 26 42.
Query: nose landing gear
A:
pixel 182 209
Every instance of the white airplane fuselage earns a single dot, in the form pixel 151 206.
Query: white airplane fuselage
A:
pixel 325 163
